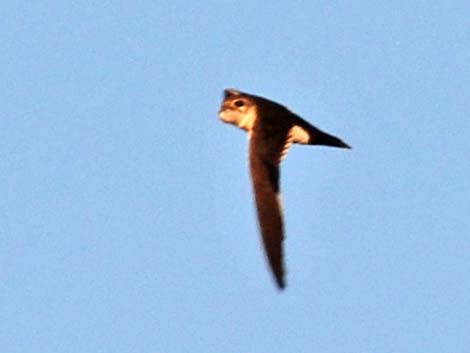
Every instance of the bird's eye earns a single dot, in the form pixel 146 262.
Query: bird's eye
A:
pixel 239 103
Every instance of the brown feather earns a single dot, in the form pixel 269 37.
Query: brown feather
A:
pixel 265 177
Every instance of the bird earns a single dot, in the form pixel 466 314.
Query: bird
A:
pixel 272 129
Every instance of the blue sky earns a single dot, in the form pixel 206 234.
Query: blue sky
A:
pixel 126 216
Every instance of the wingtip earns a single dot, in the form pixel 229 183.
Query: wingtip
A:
pixel 281 283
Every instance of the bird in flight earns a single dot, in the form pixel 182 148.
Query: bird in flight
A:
pixel 272 129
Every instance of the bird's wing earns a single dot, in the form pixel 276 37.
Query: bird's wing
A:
pixel 265 155
pixel 305 133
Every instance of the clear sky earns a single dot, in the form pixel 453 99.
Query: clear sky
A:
pixel 126 215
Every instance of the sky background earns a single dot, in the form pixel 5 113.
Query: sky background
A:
pixel 126 215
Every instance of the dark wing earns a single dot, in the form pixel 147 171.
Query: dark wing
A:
pixel 305 133
pixel 265 178
pixel 265 152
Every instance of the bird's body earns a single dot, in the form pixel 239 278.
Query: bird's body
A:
pixel 272 129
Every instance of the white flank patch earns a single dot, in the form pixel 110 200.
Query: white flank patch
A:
pixel 299 135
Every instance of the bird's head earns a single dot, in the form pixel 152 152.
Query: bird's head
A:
pixel 238 108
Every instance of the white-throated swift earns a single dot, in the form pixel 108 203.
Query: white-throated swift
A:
pixel 272 129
